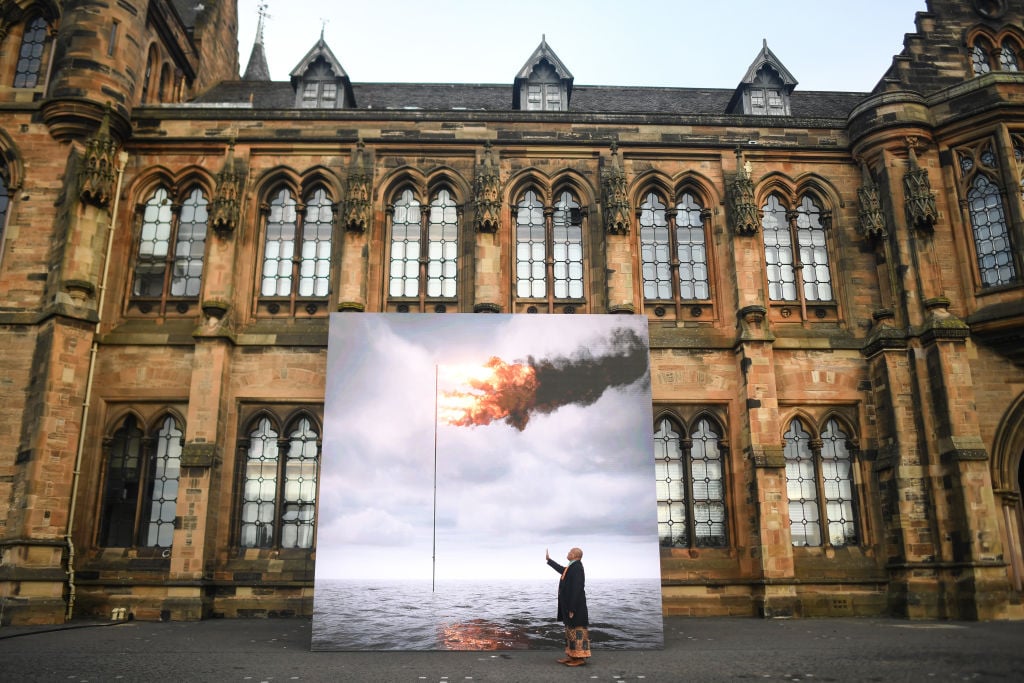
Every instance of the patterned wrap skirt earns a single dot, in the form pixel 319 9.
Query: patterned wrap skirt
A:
pixel 577 641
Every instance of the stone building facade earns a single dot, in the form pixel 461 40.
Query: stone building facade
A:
pixel 834 284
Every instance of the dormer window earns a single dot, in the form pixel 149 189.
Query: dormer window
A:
pixel 320 89
pixel 543 84
pixel 320 82
pixel 765 89
pixel 544 92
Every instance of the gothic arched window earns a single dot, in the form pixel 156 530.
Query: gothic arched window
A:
pixel 141 486
pixel 411 277
pixel 690 482
pixel 819 486
pixel 279 484
pixel 549 249
pixel 170 252
pixel 979 167
pixel 297 253
pixel 30 55
pixel 796 251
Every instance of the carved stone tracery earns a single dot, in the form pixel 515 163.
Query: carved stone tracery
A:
pixel 921 211
pixel 613 195
pixel 358 212
pixel 487 193
pixel 97 175
pixel 871 217
pixel 744 217
pixel 225 205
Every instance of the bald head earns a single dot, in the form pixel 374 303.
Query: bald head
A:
pixel 575 554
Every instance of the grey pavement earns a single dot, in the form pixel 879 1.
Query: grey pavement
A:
pixel 696 649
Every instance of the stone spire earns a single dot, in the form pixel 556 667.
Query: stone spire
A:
pixel 257 69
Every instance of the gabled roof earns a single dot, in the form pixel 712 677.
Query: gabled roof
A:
pixel 767 58
pixel 543 52
pixel 318 50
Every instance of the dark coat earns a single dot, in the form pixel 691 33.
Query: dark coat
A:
pixel 571 594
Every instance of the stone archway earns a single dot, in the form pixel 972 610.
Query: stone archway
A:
pixel 1008 485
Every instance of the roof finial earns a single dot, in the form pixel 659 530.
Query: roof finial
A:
pixel 261 9
pixel 323 25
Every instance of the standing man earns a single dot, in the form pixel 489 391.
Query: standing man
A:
pixel 572 607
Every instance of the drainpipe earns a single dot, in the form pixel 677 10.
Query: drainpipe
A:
pixel 122 160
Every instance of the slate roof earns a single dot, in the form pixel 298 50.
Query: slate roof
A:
pixel 593 99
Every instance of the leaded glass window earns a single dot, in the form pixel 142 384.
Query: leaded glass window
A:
pixel 803 273
pixel 442 246
pixel 837 479
pixel 815 273
pixel 30 55
pixel 405 246
pixel 531 246
pixel 435 277
pixel 538 242
pixel 190 246
pixel 163 493
pixel 315 259
pixel 778 252
pixel 979 167
pixel 691 249
pixel 121 489
pixel 689 477
pixel 1008 56
pixel 279 245
pixel 297 250
pixel 298 507
pixel 671 486
pixel 979 60
pixel 655 250
pixel 567 247
pixel 171 249
pixel 279 485
pixel 681 234
pixel 141 485
pixel 259 490
pixel 991 240
pixel 820 486
pixel 802 487
pixel 707 476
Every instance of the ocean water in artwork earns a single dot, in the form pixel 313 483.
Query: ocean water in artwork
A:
pixel 625 614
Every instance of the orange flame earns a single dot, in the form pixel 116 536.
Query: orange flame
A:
pixel 495 391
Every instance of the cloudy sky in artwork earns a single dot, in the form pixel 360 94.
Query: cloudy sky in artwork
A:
pixel 575 476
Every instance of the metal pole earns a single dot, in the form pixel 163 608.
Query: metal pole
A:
pixel 433 550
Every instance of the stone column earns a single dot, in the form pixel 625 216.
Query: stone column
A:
pixel 771 546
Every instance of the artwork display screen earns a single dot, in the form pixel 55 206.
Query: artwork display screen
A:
pixel 458 449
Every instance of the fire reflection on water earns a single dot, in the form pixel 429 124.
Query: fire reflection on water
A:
pixel 481 634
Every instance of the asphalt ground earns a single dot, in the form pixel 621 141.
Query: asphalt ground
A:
pixel 696 649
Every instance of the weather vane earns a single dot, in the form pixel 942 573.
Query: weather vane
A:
pixel 261 10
